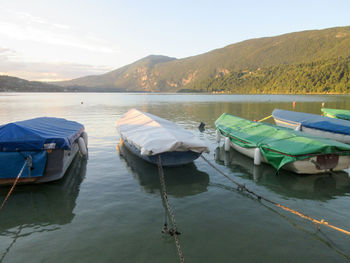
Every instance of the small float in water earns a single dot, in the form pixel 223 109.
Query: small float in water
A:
pixel 149 137
pixel 336 113
pixel 40 149
pixel 335 129
pixel 281 147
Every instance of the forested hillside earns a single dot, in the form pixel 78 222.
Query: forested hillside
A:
pixel 315 61
pixel 323 76
pixel 8 83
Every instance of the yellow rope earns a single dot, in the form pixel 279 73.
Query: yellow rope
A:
pixel 264 119
pixel 13 186
pixel 242 187
pixel 322 222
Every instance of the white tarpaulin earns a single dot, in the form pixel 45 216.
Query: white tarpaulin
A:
pixel 153 135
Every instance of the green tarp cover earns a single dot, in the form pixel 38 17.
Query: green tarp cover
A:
pixel 335 113
pixel 278 145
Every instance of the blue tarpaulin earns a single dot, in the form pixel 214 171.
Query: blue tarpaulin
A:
pixel 38 134
pixel 313 121
pixel 12 162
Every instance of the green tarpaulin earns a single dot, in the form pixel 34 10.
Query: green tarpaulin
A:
pixel 278 145
pixel 335 113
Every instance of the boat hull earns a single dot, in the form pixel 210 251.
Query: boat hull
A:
pixel 57 164
pixel 170 159
pixel 305 166
pixel 317 132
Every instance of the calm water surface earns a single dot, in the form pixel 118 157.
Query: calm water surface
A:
pixel 109 209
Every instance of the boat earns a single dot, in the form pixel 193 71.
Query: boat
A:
pixel 335 129
pixel 281 147
pixel 150 137
pixel 39 150
pixel 313 187
pixel 181 181
pixel 336 113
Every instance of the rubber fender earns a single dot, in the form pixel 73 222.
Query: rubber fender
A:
pixel 82 146
pixel 298 128
pixel 227 144
pixel 257 156
pixel 85 137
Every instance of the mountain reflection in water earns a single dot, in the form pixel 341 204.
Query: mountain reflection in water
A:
pixel 316 187
pixel 180 181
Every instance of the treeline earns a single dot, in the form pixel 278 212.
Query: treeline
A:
pixel 324 76
pixel 13 84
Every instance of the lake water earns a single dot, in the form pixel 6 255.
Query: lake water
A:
pixel 109 208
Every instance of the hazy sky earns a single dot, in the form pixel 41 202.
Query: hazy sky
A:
pixel 64 39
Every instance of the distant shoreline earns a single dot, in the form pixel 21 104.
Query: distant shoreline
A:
pixel 175 93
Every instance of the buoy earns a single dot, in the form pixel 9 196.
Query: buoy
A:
pixel 82 146
pixel 201 127
pixel 227 144
pixel 294 103
pixel 298 128
pixel 85 137
pixel 257 156
pixel 217 136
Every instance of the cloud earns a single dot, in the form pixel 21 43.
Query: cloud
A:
pixel 26 27
pixel 46 71
pixel 29 37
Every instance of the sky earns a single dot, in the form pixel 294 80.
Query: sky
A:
pixel 50 40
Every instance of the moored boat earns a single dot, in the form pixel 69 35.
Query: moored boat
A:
pixel 150 137
pixel 335 129
pixel 40 149
pixel 281 147
pixel 336 113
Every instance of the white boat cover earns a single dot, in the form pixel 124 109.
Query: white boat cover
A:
pixel 153 135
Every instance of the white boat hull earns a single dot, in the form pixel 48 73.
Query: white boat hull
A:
pixel 58 162
pixel 306 166
pixel 325 134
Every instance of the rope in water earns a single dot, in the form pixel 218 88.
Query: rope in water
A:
pixel 172 231
pixel 242 187
pixel 13 186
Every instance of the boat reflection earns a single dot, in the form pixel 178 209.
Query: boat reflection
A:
pixel 180 181
pixel 288 184
pixel 42 207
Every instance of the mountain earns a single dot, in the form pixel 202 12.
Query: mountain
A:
pixel 314 61
pixel 253 57
pixel 133 77
pixel 8 83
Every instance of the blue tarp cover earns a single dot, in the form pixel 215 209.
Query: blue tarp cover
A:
pixel 12 162
pixel 313 121
pixel 38 134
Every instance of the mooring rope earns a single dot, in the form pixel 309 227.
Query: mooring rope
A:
pixel 13 186
pixel 243 187
pixel 172 231
pixel 264 119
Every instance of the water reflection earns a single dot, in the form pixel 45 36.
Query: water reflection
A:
pixel 180 181
pixel 44 206
pixel 288 184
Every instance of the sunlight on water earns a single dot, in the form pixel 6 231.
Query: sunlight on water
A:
pixel 109 209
